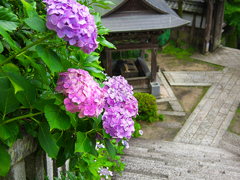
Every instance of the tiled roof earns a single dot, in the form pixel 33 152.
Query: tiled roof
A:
pixel 189 6
pixel 136 22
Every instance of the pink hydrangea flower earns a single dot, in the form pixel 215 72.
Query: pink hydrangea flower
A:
pixel 83 94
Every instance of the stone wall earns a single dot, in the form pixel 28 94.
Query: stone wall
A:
pixel 30 162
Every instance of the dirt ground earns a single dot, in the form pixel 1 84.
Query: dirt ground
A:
pixel 188 97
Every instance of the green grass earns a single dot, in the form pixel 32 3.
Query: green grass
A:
pixel 184 54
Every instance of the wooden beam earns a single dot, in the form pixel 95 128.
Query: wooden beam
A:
pixel 132 46
pixel 109 62
pixel 192 29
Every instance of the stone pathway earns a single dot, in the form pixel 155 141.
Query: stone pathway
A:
pixel 223 56
pixel 193 78
pixel 212 116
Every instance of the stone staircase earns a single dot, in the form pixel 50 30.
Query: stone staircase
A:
pixel 154 159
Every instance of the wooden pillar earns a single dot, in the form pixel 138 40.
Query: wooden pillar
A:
pixel 109 62
pixel 142 53
pixel 192 29
pixel 154 59
pixel 218 15
pixel 207 33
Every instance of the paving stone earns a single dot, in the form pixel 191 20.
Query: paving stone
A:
pixel 218 120
pixel 172 113
pixel 176 106
pixel 234 139
pixel 225 108
pixel 166 99
pixel 207 140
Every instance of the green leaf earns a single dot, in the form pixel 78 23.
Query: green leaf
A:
pixel 104 42
pixel 110 148
pixel 27 95
pixel 10 67
pixel 57 118
pixel 8 39
pixel 1 47
pixel 47 141
pixel 91 59
pixel 8 20
pixel 5 160
pixel 36 23
pixel 8 102
pixel 105 135
pixel 73 119
pixel 41 103
pixel 50 58
pixel 29 128
pixel 6 130
pixel 31 12
pixel 4 82
pixel 40 68
pixel 83 143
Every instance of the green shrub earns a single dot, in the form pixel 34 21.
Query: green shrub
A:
pixel 147 107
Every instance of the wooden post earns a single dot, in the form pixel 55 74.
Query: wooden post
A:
pixel 154 64
pixel 218 15
pixel 207 33
pixel 109 62
pixel 192 29
pixel 142 53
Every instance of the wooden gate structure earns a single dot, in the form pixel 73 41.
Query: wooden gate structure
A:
pixel 136 24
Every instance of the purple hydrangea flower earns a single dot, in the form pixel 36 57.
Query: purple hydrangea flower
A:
pixel 83 94
pixel 125 143
pixel 117 123
pixel 73 22
pixel 105 172
pixel 119 93
pixel 120 107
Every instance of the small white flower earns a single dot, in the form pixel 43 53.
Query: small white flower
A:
pixel 141 132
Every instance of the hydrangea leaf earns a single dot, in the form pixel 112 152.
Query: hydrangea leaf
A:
pixel 41 103
pixel 47 141
pixel 6 130
pixel 83 143
pixel 50 58
pixel 31 12
pixel 29 128
pixel 36 23
pixel 1 47
pixel 110 148
pixel 8 102
pixel 5 160
pixel 25 91
pixel 8 39
pixel 8 20
pixel 57 118
pixel 104 42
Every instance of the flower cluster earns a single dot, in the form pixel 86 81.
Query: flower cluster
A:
pixel 119 93
pixel 83 94
pixel 73 22
pixel 105 172
pixel 118 123
pixel 120 107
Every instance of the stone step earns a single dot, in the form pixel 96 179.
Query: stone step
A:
pixel 196 163
pixel 129 174
pixel 186 150
pixel 161 169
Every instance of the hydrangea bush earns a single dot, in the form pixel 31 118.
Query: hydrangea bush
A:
pixel 50 84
